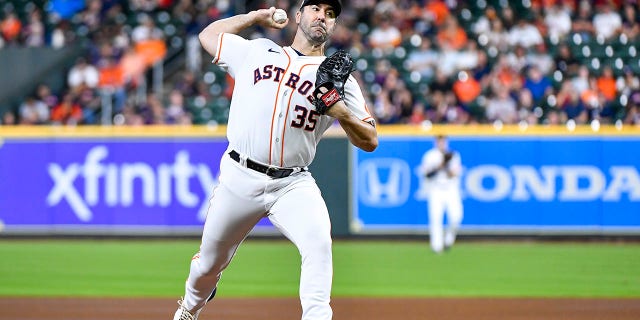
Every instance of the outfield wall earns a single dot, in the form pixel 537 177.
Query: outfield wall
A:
pixel 156 180
pixel 513 182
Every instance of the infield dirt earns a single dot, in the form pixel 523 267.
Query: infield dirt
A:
pixel 34 308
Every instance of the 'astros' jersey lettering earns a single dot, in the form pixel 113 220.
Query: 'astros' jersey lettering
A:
pixel 261 68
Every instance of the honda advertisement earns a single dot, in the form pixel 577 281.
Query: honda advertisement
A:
pixel 516 184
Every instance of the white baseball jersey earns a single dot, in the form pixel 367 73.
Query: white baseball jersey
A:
pixel 441 181
pixel 261 68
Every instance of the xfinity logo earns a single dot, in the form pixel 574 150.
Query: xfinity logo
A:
pixel 385 182
pixel 113 183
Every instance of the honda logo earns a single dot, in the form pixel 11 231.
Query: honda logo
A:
pixel 384 182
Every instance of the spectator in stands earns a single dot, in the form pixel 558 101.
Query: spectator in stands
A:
pixel 484 23
pixel 436 12
pixel 176 112
pixel 451 35
pixel 43 93
pixel 417 114
pixel 526 107
pixel 524 34
pixel 146 30
pixel 91 104
pixel 441 83
pixel 62 35
pixel 385 111
pixel 152 111
pixel 187 84
pixel 558 22
pixel 554 117
pixel 82 75
pixel 147 6
pixel 607 23
pixel 466 88
pixel 498 36
pixel 574 108
pixel 112 81
pixel 91 17
pixel 467 57
pixel 385 36
pixel 565 62
pixel 581 80
pixel 504 75
pixel 482 71
pixel 517 58
pixel 423 60
pixel 10 28
pixel 34 31
pixel 581 22
pixel 381 70
pixel 628 83
pixel 502 107
pixel 540 57
pixel 538 84
pixel 606 84
pixel 630 21
pixel 592 98
pixel 8 118
pixel 444 108
pixel 632 110
pixel 33 111
pixel 67 112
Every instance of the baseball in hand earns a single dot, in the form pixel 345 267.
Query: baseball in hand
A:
pixel 279 16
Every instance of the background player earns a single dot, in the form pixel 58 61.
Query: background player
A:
pixel 273 131
pixel 441 168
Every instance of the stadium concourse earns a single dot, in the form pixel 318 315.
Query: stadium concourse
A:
pixel 529 62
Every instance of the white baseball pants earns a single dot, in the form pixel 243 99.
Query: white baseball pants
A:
pixel 294 205
pixel 443 202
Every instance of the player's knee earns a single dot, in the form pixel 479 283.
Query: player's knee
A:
pixel 320 246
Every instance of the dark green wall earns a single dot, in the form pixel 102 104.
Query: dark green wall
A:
pixel 23 69
pixel 330 168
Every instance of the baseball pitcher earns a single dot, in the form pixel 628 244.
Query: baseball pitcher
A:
pixel 283 101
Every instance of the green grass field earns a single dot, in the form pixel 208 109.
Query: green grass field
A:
pixel 362 268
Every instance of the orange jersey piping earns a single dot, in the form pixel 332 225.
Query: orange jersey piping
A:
pixel 219 49
pixel 286 117
pixel 275 105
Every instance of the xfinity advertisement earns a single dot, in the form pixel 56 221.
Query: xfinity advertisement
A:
pixel 512 184
pixel 126 184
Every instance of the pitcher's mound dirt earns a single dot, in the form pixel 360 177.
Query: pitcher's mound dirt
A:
pixel 12 308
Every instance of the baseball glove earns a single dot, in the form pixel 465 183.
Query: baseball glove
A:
pixel 447 157
pixel 332 74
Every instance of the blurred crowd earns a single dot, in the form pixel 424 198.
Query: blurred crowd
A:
pixel 431 61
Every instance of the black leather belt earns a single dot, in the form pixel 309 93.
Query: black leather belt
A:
pixel 273 172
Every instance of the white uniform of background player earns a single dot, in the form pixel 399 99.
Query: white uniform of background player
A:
pixel 442 182
pixel 273 123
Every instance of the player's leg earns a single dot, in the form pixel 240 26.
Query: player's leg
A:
pixel 230 217
pixel 454 218
pixel 436 216
pixel 302 216
pixel 229 220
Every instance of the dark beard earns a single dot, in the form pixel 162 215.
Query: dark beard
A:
pixel 316 39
